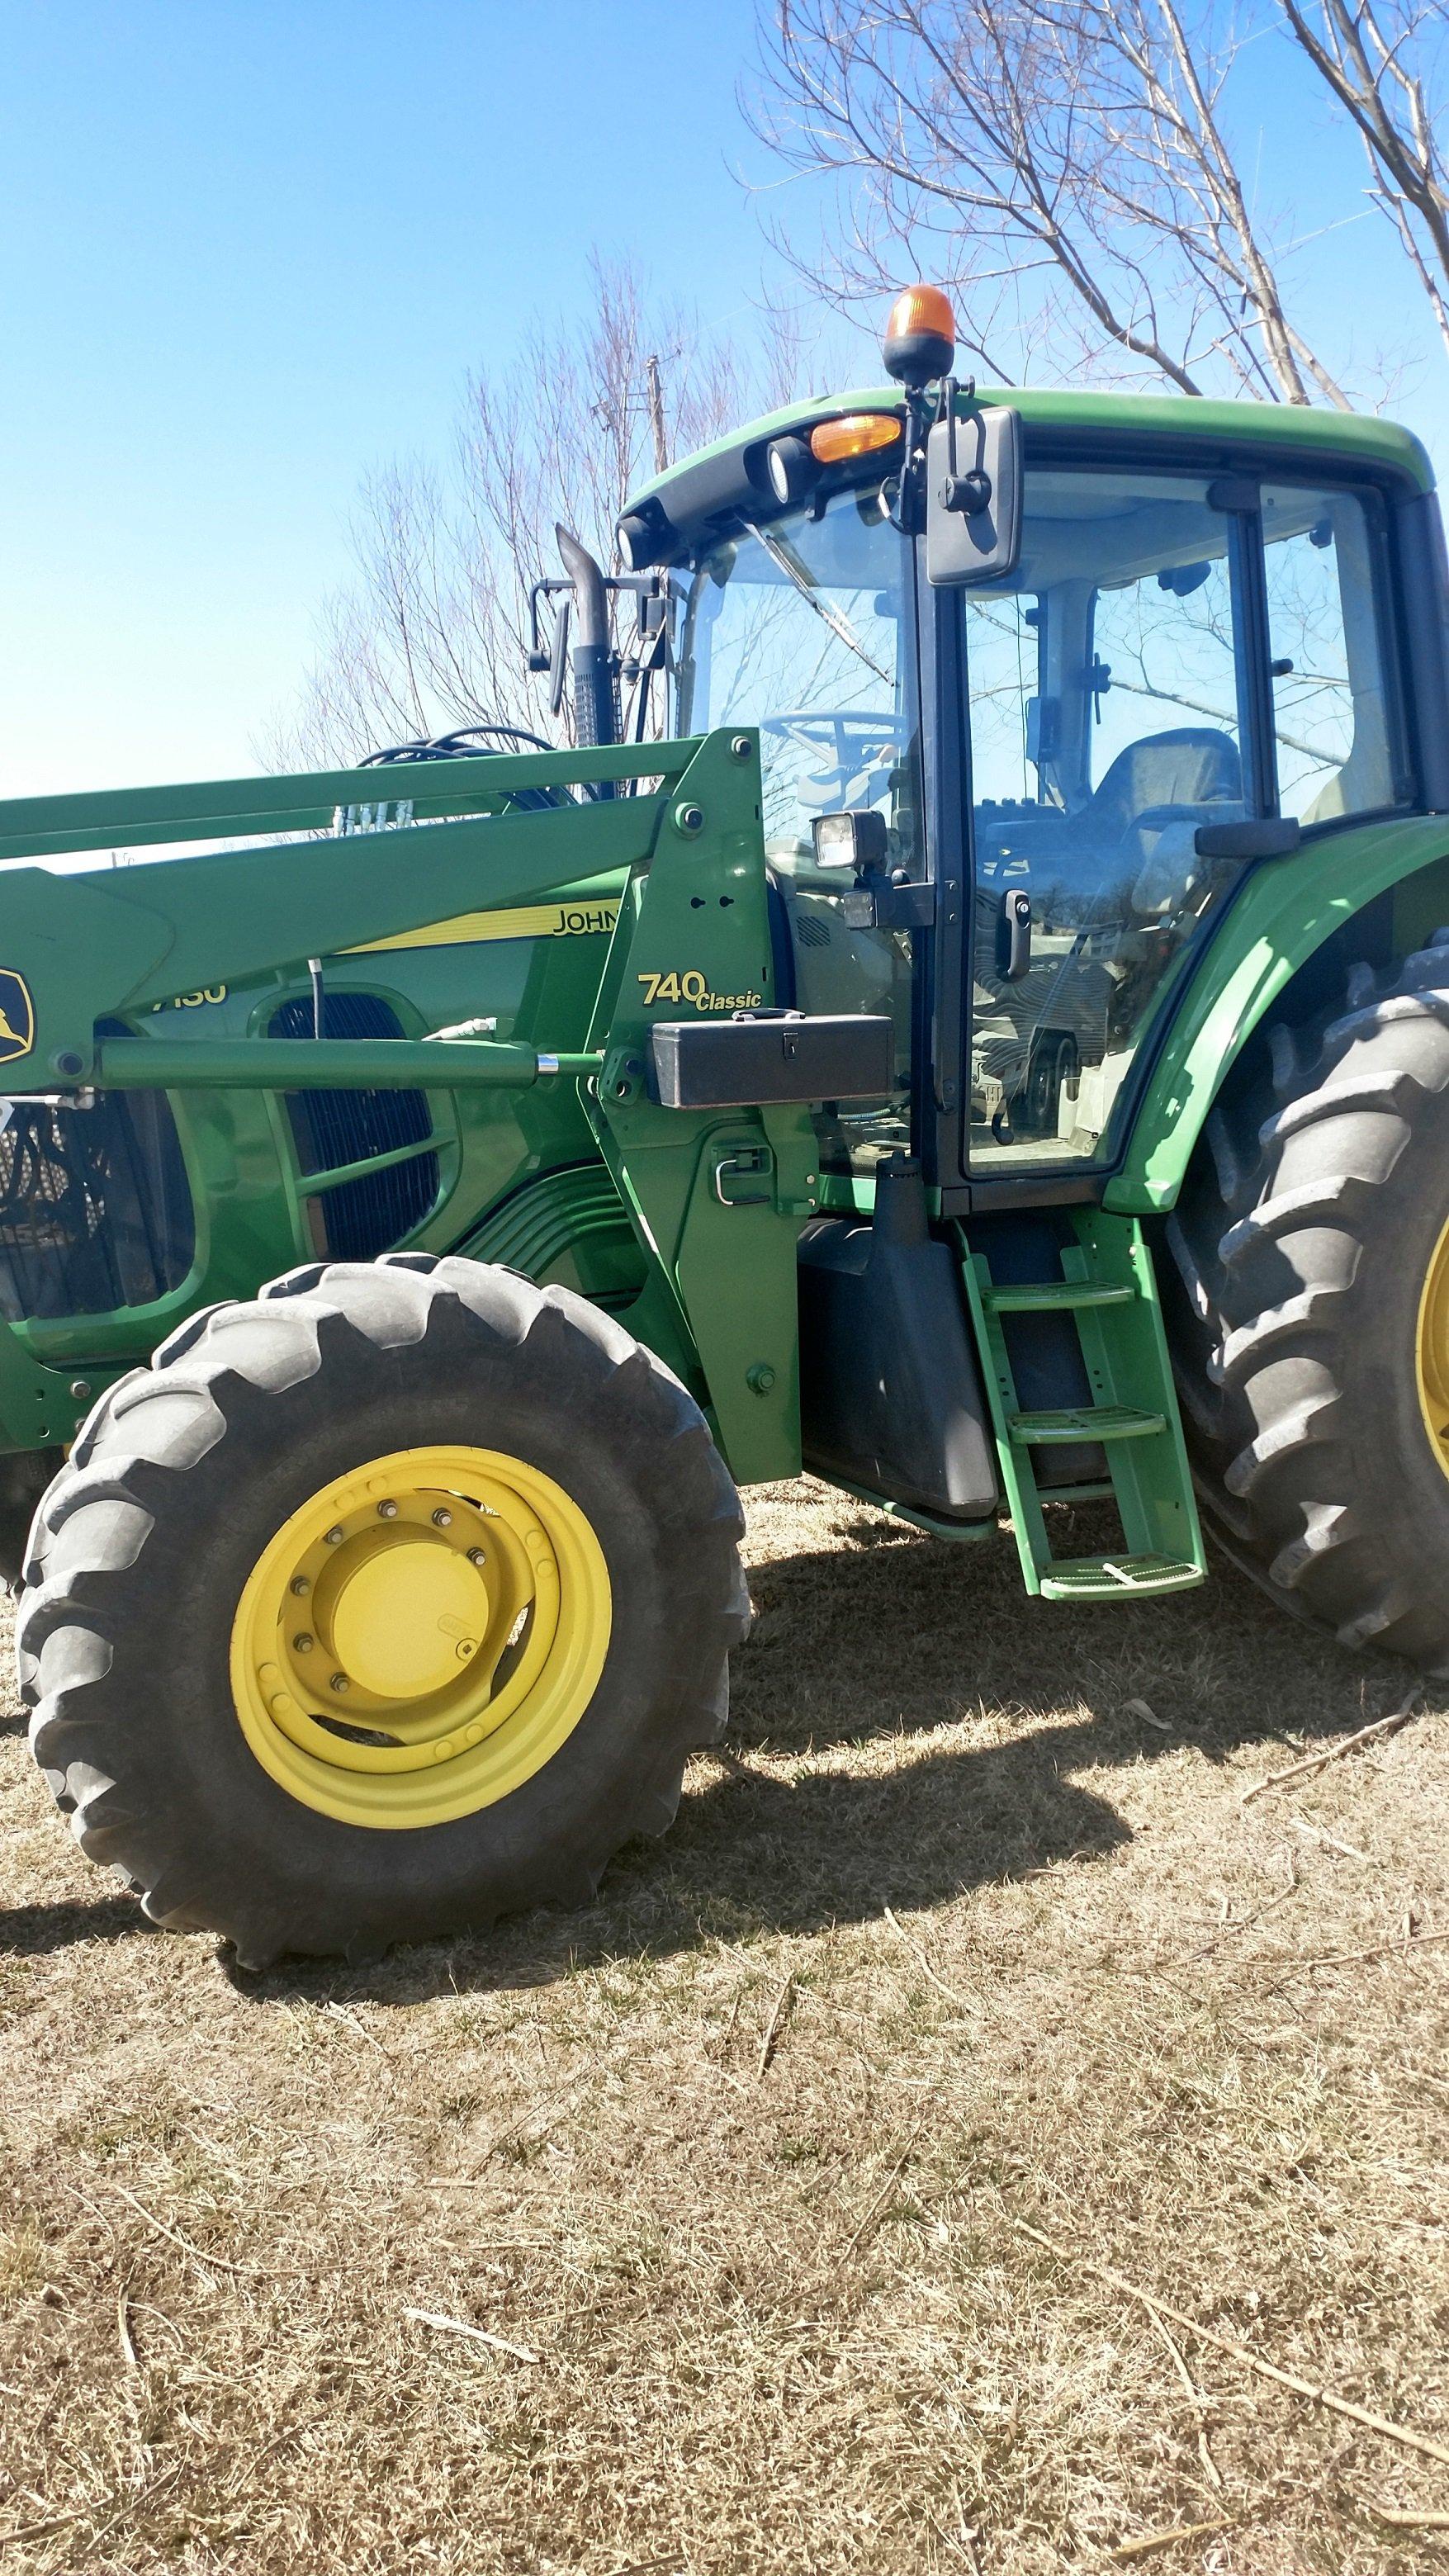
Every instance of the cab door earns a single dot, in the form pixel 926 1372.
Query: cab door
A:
pixel 1117 695
pixel 1185 673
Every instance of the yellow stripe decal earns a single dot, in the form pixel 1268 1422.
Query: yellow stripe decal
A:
pixel 529 921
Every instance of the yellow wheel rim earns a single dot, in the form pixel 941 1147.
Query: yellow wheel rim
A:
pixel 420 1637
pixel 1434 1351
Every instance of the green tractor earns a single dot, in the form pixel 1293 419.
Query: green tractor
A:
pixel 993 1052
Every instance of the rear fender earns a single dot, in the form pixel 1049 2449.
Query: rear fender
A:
pixel 1283 912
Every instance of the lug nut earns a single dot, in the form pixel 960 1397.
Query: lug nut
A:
pixel 303 1645
pixel 300 1585
pixel 476 1556
pixel 339 1683
pixel 442 1518
pixel 334 1538
pixel 387 1511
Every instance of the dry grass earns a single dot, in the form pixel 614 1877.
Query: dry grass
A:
pixel 973 1931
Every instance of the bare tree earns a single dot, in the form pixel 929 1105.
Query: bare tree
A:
pixel 432 632
pixel 1069 159
pixel 1385 63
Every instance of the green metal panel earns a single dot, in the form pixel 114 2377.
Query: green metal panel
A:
pixel 571 1226
pixel 693 939
pixel 1284 911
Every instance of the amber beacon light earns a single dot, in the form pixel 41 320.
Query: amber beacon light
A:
pixel 920 336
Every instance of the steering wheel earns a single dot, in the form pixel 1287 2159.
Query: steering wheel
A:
pixel 846 735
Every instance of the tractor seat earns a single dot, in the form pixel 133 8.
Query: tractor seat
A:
pixel 1194 765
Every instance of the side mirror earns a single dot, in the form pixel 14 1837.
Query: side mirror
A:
pixel 973 495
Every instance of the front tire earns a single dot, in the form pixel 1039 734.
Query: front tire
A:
pixel 1309 1313
pixel 384 1605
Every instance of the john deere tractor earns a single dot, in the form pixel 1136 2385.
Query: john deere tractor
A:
pixel 992 1050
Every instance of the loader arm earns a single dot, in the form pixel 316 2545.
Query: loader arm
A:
pixel 98 946
pixel 87 948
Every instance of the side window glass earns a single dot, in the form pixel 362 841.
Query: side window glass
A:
pixel 1108 694
pixel 1163 678
pixel 1330 686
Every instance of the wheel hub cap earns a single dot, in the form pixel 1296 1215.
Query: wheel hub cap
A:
pixel 399 1610
pixel 421 1636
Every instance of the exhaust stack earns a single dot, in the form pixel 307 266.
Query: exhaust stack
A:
pixel 596 712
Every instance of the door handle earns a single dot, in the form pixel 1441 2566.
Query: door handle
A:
pixel 737 1168
pixel 1013 936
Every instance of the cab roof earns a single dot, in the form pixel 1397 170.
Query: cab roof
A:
pixel 1225 434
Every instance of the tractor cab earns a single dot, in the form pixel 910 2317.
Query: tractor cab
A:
pixel 1191 658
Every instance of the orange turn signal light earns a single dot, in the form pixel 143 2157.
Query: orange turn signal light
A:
pixel 859 434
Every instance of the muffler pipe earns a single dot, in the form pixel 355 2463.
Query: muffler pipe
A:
pixel 596 713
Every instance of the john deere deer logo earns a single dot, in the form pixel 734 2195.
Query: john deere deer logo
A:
pixel 17 1016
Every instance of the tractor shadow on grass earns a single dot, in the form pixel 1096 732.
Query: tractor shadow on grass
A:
pixel 895 1659
pixel 31 1931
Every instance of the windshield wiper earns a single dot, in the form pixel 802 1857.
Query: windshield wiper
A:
pixel 835 618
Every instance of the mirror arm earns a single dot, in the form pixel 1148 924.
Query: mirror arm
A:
pixel 969 492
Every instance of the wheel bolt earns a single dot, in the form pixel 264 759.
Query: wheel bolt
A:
pixel 302 1645
pixel 476 1556
pixel 442 1518
pixel 334 1538
pixel 300 1585
pixel 339 1683
pixel 387 1511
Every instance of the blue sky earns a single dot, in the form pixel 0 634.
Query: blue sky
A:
pixel 252 246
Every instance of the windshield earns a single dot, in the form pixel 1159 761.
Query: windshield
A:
pixel 802 628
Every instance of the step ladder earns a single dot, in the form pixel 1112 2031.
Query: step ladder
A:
pixel 1108 1288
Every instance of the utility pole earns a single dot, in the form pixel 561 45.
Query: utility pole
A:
pixel 654 396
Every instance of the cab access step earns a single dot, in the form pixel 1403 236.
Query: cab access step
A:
pixel 1132 1454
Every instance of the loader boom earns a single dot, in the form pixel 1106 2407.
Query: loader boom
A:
pixel 685 847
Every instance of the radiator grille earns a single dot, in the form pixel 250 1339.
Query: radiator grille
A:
pixel 368 1215
pixel 95 1208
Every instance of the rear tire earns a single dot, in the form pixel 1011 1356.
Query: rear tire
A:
pixel 185 1481
pixel 1312 1224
